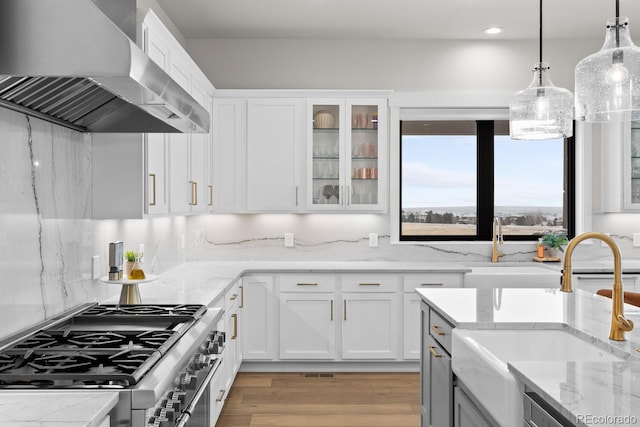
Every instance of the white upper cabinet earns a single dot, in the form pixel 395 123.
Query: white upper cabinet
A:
pixel 274 143
pixel 346 154
pixel 229 152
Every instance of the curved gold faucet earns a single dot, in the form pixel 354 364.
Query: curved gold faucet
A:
pixel 619 324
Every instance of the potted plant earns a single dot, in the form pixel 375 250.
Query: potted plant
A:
pixel 130 257
pixel 553 242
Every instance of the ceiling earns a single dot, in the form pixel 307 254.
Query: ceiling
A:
pixel 396 19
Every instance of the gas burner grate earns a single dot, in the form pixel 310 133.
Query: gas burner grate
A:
pixel 72 368
pixel 66 340
pixel 181 311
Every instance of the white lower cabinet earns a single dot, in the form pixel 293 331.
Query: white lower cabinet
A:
pixel 307 326
pixel 411 328
pixel 258 326
pixel 307 316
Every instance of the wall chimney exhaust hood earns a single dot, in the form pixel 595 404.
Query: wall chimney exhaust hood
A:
pixel 66 62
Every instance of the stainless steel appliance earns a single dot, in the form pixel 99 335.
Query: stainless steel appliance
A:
pixel 67 62
pixel 161 360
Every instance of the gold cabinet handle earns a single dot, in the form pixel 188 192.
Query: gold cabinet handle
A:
pixel 431 284
pixel 210 195
pixel 332 310
pixel 345 309
pixel 241 297
pixel 437 330
pixel 433 351
pixel 369 284
pixel 306 284
pixel 220 395
pixel 193 194
pixel 233 297
pixel 235 326
pixel 153 186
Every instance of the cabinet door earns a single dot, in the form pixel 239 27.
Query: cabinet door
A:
pixel 465 413
pixel 325 154
pixel 274 141
pixel 156 146
pixel 232 349
pixel 436 378
pixel 258 325
pixel 229 147
pixel 366 154
pixel 307 326
pixel 199 150
pixel 370 325
pixel 180 187
pixel 631 150
pixel 411 329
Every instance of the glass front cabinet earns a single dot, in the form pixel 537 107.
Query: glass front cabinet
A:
pixel 632 169
pixel 347 146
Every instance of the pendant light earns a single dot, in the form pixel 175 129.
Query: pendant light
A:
pixel 542 110
pixel 608 82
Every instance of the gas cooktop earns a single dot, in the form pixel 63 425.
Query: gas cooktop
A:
pixel 101 346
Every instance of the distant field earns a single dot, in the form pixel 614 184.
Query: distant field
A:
pixel 422 229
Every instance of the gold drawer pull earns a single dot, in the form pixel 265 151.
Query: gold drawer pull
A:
pixel 332 310
pixel 220 396
pixel 241 297
pixel 437 330
pixel 431 284
pixel 233 297
pixel 210 195
pixel 433 351
pixel 153 199
pixel 235 326
pixel 369 284
pixel 307 284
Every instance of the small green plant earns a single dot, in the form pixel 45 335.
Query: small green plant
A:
pixel 554 240
pixel 130 256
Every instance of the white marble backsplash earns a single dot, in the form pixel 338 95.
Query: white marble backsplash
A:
pixel 45 220
pixel 345 237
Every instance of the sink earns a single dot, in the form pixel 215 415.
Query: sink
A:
pixel 479 359
pixel 512 277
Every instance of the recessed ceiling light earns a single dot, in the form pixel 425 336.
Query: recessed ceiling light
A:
pixel 493 30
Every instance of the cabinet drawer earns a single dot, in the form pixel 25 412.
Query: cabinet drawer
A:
pixel 440 330
pixel 370 283
pixel 444 280
pixel 307 283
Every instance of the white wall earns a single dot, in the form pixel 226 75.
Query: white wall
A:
pixel 400 65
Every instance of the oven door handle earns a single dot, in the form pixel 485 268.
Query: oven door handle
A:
pixel 183 419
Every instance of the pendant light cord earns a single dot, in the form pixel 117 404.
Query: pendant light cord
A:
pixel 541 30
pixel 540 71
pixel 617 23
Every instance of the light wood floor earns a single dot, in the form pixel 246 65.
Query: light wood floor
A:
pixel 323 400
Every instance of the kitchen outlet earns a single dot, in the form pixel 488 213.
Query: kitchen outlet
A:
pixel 373 240
pixel 95 267
pixel 288 240
pixel 636 240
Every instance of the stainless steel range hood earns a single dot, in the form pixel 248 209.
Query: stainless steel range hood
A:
pixel 66 62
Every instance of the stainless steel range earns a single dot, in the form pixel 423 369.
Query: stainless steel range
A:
pixel 160 358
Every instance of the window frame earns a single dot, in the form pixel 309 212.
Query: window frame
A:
pixel 485 188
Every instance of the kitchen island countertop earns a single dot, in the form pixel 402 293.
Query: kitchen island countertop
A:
pixel 590 393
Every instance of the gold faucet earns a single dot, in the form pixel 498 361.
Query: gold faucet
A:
pixel 497 238
pixel 619 324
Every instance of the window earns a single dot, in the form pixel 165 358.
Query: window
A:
pixel 457 175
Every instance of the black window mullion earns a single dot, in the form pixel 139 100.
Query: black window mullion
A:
pixel 485 179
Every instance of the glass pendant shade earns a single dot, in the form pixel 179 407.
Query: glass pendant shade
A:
pixel 542 110
pixel 608 82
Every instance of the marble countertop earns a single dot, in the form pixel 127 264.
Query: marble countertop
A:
pixel 59 409
pixel 587 393
pixel 202 282
pixel 579 390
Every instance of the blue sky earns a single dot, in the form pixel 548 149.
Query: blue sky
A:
pixel 440 171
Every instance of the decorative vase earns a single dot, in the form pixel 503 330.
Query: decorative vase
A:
pixel 128 266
